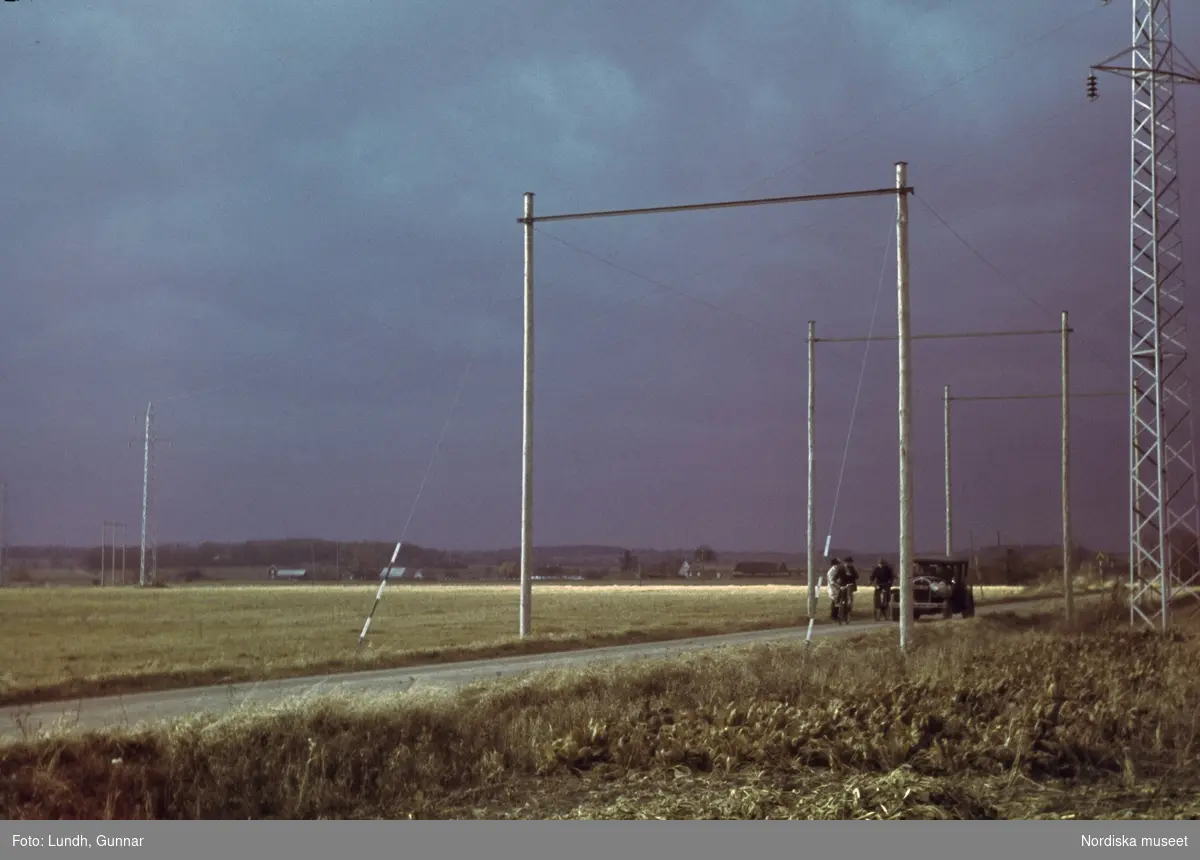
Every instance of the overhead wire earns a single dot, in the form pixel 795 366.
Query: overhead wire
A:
pixel 960 79
pixel 888 246
pixel 1052 118
pixel 462 381
pixel 662 285
pixel 788 335
pixel 861 131
pixel 1042 122
pixel 375 323
pixel 634 296
pixel 890 114
pixel 386 574
pixel 1011 284
pixel 349 346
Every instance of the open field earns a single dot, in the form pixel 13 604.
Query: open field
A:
pixel 1002 716
pixel 65 643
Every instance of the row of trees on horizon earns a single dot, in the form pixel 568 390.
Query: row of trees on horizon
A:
pixel 367 558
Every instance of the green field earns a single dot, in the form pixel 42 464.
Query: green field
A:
pixel 68 642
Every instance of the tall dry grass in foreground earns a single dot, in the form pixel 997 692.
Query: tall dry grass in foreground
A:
pixel 1000 717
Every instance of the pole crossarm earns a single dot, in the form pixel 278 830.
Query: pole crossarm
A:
pixel 1037 396
pixel 730 204
pixel 1188 75
pixel 1135 73
pixel 945 336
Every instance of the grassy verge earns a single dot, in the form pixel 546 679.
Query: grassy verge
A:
pixel 999 717
pixel 66 644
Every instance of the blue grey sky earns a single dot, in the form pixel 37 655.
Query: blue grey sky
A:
pixel 292 225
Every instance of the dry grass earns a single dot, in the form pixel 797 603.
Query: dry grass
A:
pixel 999 717
pixel 65 643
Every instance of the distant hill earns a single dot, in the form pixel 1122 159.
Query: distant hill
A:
pixel 375 554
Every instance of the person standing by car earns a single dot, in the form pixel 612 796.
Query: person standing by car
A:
pixel 882 578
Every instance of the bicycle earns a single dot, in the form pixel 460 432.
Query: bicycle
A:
pixel 842 605
pixel 883 602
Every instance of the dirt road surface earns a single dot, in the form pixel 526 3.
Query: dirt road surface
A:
pixel 130 710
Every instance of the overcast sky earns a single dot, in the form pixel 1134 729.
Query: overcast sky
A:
pixel 292 226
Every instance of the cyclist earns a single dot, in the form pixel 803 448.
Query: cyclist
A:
pixel 853 572
pixel 882 578
pixel 839 577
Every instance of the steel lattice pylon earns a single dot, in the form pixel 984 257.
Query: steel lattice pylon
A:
pixel 1164 550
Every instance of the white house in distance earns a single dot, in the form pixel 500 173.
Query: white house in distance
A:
pixel 401 573
pixel 274 572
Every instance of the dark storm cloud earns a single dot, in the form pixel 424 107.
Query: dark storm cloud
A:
pixel 292 225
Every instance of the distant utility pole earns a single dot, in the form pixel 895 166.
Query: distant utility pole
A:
pixel 3 532
pixel 1063 396
pixel 112 570
pixel 104 544
pixel 148 441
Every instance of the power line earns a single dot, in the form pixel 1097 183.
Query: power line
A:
pixel 786 334
pixel 1057 396
pixel 964 335
pixel 1008 281
pixel 376 322
pixel 858 389
pixel 927 96
pixel 634 296
pixel 662 285
pixel 871 124
pixel 445 425
pixel 387 572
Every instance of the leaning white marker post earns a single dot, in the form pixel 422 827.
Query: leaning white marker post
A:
pixel 387 574
pixel 905 373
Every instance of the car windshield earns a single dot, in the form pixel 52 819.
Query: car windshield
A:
pixel 944 572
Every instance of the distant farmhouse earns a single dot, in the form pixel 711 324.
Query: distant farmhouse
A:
pixel 274 572
pixel 391 573
pixel 422 573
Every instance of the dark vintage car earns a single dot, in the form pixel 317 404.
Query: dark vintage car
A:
pixel 939 587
